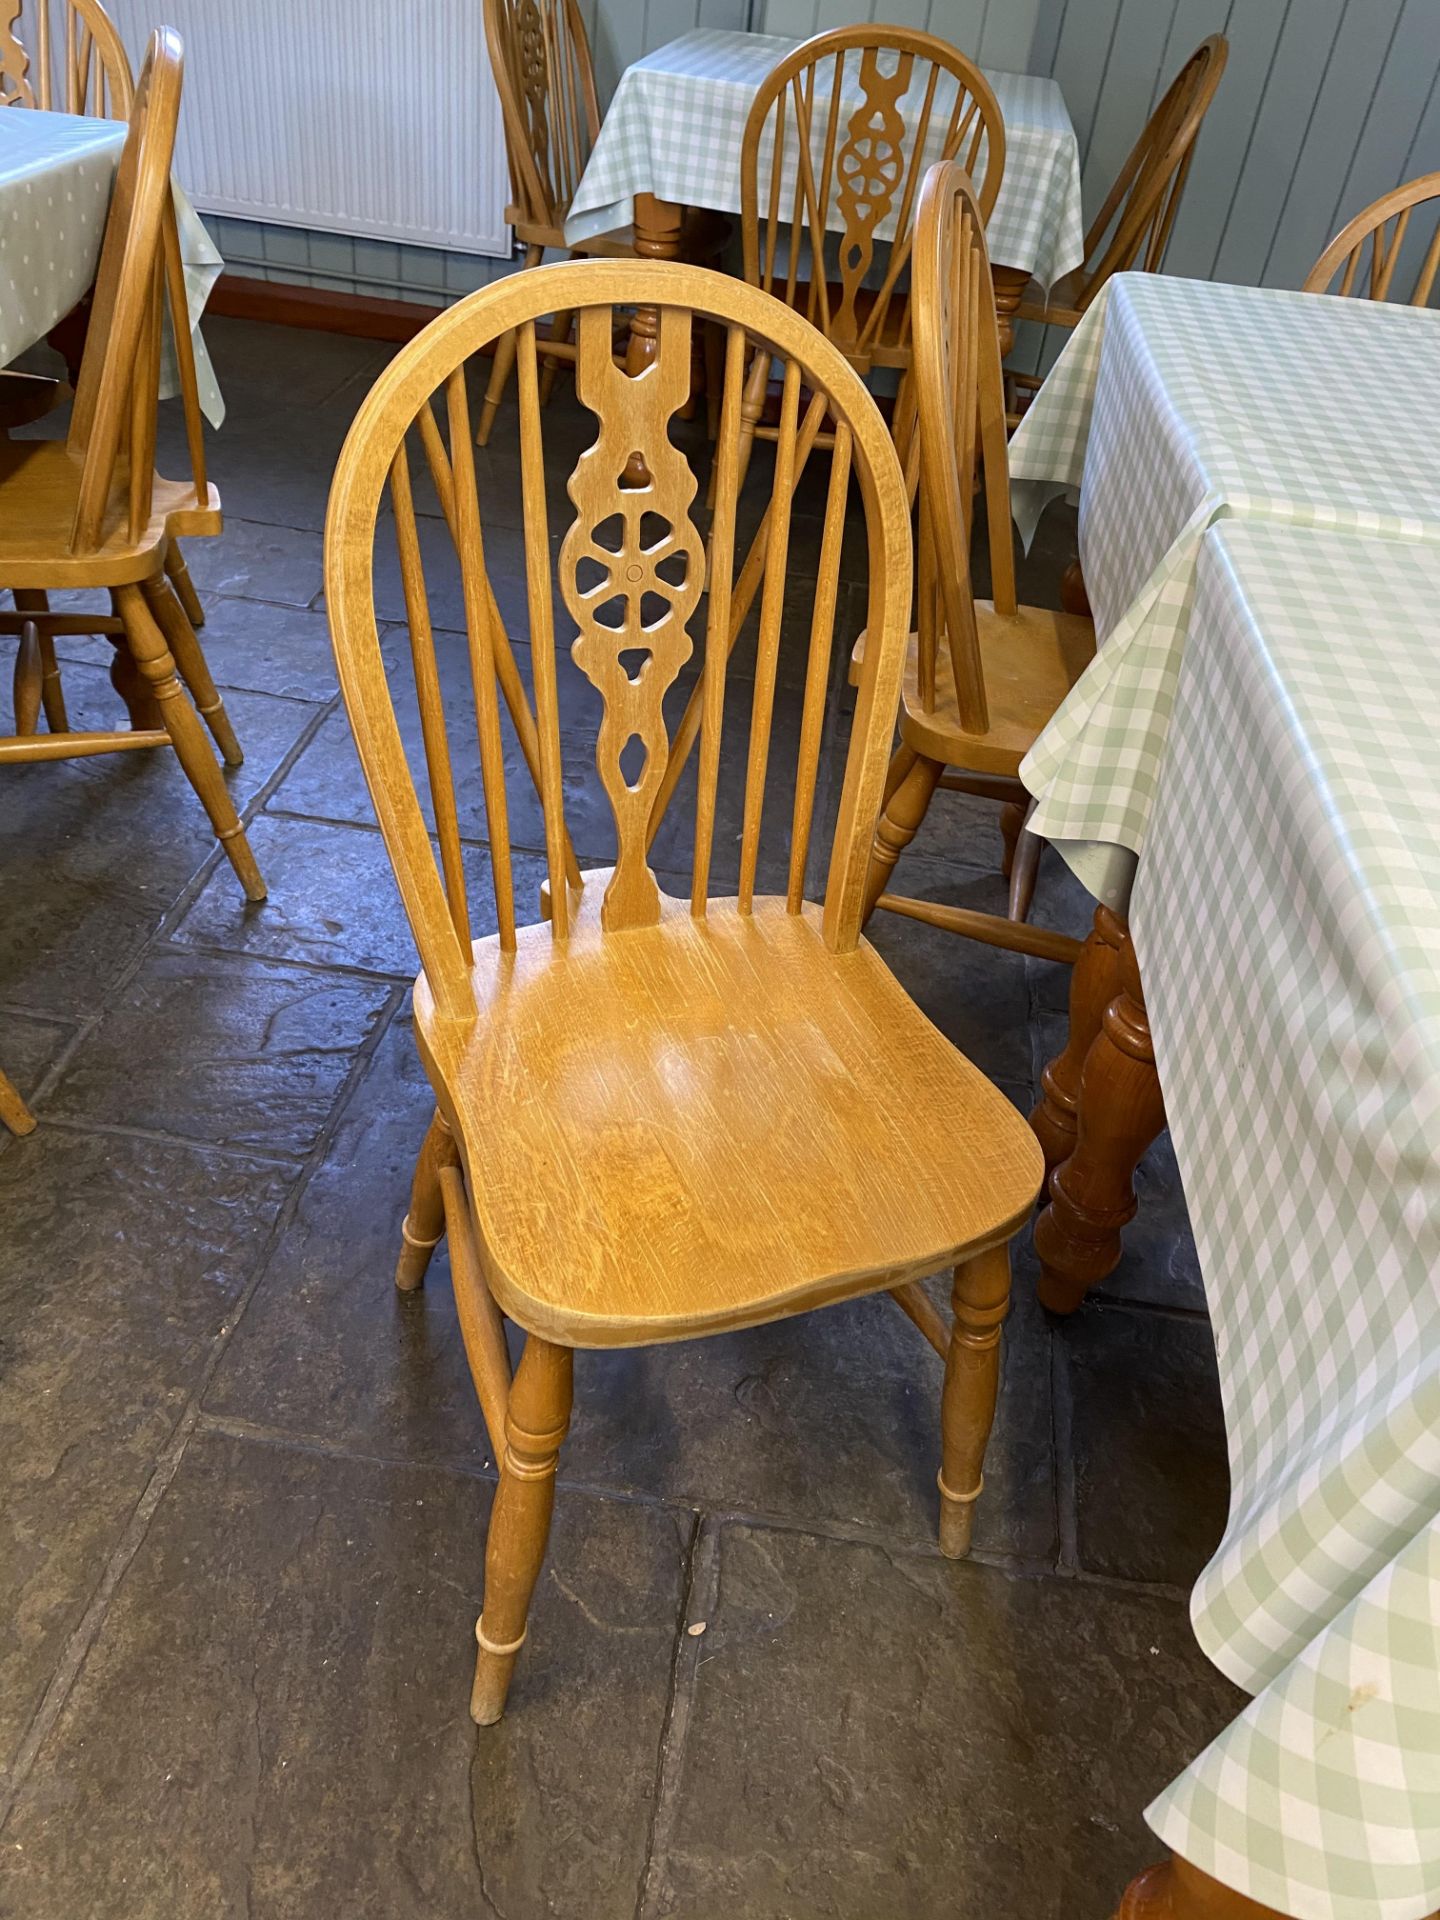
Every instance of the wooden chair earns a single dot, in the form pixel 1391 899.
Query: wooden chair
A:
pixel 91 512
pixel 659 1117
pixel 976 702
pixel 852 113
pixel 79 66
pixel 1133 227
pixel 540 55
pixel 1384 225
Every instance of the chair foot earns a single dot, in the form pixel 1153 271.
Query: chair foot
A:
pixel 536 1421
pixel 981 1299
pixel 146 643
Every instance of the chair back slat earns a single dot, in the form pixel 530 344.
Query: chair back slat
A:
pixel 1375 241
pixel 717 622
pixel 542 622
pixel 960 392
pixel 540 55
pixel 835 146
pixel 81 68
pixel 817 667
pixel 767 650
pixel 629 585
pixel 118 388
pixel 427 688
pixel 1134 223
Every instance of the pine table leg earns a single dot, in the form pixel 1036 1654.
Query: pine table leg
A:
pixel 1094 983
pixel 1118 1114
pixel 1178 1891
pixel 657 237
pixel 1009 283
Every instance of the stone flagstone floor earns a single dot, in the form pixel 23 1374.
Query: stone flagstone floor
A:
pixel 245 1483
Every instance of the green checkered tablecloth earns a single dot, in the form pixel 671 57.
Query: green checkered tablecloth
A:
pixel 675 124
pixel 1286 914
pixel 55 175
pixel 1174 404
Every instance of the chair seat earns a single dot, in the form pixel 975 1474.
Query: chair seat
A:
pixel 39 487
pixel 1058 307
pixel 709 1124
pixel 1030 660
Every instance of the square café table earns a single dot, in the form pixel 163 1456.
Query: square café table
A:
pixel 56 171
pixel 1177 403
pixel 672 134
pixel 1260 533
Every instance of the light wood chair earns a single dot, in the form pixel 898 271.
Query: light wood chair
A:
pixel 540 55
pixel 1133 227
pixel 852 113
pixel 660 1117
pixel 982 677
pixel 1384 224
pixel 91 512
pixel 79 66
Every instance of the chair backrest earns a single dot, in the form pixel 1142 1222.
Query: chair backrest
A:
pixel 629 582
pixel 112 422
pixel 541 57
pixel 836 142
pixel 1133 227
pixel 1384 225
pixel 65 56
pixel 960 395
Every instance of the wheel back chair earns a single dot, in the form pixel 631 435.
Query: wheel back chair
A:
pixel 1133 227
pixel 1385 225
pixel 834 148
pixel 982 677
pixel 91 512
pixel 540 56
pixel 79 66
pixel 659 1117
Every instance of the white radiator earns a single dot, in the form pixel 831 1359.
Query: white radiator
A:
pixel 373 117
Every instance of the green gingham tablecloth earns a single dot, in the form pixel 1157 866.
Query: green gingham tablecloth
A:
pixel 675 125
pixel 1286 915
pixel 55 176
pixel 1174 404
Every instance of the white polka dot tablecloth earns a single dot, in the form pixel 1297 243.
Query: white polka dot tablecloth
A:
pixel 56 171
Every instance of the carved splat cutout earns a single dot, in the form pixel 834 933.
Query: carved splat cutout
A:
pixel 870 166
pixel 645 564
pixel 532 60
pixel 15 89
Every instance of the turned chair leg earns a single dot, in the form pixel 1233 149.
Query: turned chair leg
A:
pixel 981 1300
pixel 52 694
pixel 423 1227
pixel 1023 868
pixel 899 822
pixel 502 366
pixel 13 1110
pixel 147 644
pixel 536 1422
pixel 194 669
pixel 184 586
